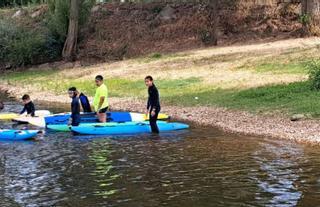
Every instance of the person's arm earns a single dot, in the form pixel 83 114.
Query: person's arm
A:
pixel 32 109
pixel 148 103
pixel 102 98
pixel 155 99
pixel 23 110
pixel 74 106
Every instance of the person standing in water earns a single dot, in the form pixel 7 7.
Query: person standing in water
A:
pixel 100 101
pixel 75 106
pixel 153 105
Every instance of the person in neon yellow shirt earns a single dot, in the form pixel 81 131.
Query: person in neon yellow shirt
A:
pixel 100 101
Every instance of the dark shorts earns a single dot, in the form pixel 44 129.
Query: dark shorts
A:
pixel 104 110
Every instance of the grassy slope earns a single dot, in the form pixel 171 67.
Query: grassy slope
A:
pixel 266 82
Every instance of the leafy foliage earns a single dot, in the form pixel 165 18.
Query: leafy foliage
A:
pixel 314 74
pixel 20 46
pixel 12 3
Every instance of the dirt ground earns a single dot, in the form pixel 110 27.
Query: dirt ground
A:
pixel 120 31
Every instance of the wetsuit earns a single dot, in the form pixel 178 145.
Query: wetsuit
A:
pixel 75 111
pixel 153 105
pixel 85 103
pixel 29 108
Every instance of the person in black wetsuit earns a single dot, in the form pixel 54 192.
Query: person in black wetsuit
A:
pixel 153 105
pixel 75 106
pixel 28 106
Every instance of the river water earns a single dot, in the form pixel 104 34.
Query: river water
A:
pixel 200 167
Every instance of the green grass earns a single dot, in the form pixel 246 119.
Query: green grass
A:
pixel 51 80
pixel 282 68
pixel 283 98
pixel 289 99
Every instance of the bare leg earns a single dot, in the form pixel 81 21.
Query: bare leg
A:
pixel 102 117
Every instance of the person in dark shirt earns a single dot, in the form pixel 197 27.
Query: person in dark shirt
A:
pixel 75 106
pixel 28 106
pixel 153 105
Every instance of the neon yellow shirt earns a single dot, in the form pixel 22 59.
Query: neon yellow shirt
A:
pixel 102 91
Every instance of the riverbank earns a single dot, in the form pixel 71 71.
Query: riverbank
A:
pixel 231 121
pixel 250 89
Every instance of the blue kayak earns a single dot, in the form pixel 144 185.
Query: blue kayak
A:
pixel 125 128
pixel 12 135
pixel 67 128
pixel 91 117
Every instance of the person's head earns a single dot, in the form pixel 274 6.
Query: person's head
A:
pixel 72 92
pixel 148 81
pixel 99 80
pixel 1 105
pixel 26 98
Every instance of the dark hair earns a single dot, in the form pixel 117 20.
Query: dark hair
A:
pixel 99 78
pixel 72 89
pixel 1 105
pixel 148 78
pixel 25 97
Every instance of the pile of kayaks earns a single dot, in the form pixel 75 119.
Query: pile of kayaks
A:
pixel 118 123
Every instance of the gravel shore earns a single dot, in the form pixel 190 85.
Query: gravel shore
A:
pixel 231 121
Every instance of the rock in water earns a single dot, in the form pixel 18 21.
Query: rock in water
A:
pixel 297 117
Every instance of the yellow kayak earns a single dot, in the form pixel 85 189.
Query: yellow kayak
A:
pixel 8 116
pixel 160 117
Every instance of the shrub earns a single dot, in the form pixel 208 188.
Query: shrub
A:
pixel 156 56
pixel 314 74
pixel 305 19
pixel 20 46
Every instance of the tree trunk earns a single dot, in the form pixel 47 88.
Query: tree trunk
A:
pixel 311 11
pixel 311 7
pixel 70 45
pixel 215 18
pixel 209 34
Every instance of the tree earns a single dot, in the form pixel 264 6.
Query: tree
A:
pixel 70 45
pixel 209 32
pixel 310 14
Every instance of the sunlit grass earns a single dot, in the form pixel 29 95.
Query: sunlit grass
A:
pixel 262 83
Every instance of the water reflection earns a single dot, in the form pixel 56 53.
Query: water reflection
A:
pixel 102 174
pixel 28 178
pixel 278 173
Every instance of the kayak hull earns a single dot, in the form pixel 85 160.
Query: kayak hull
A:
pixel 67 128
pixel 37 120
pixel 14 135
pixel 135 128
pixel 91 118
